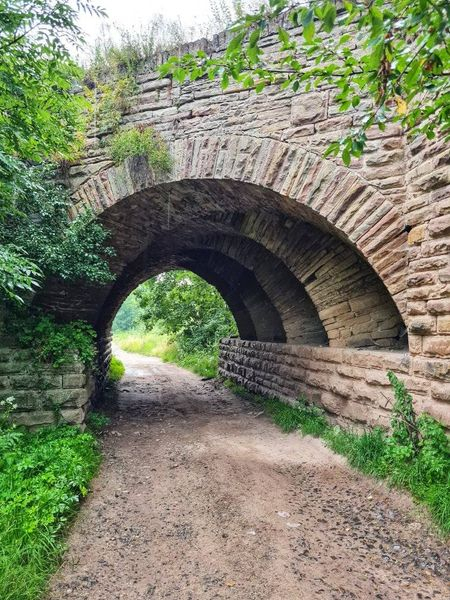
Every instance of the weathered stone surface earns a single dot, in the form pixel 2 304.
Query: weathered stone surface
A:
pixel 308 108
pixel 356 387
pixel 304 250
pixel 41 394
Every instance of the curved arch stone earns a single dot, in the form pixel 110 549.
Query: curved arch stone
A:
pixel 329 196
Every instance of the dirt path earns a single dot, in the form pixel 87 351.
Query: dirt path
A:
pixel 201 497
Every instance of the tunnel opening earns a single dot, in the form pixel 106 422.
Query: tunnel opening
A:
pixel 179 317
pixel 289 273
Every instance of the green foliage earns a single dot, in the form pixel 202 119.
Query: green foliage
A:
pixel 18 274
pixel 155 343
pixel 51 342
pixel 109 100
pixel 41 119
pixel 116 369
pixel 187 308
pixel 405 434
pixel 204 363
pixel 110 78
pixel 43 477
pixel 127 317
pixel 184 318
pixel 39 233
pixel 41 116
pixel 148 343
pixel 97 422
pixel 416 458
pixel 301 415
pixel 142 142
pixel 393 58
pixel 365 451
pixel 120 52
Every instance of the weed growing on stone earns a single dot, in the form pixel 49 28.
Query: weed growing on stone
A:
pixel 142 142
pixel 414 455
pixel 116 369
pixel 43 477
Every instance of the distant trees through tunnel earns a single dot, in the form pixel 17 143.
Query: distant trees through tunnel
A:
pixel 177 316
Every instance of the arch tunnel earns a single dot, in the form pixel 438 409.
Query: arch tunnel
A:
pixel 286 275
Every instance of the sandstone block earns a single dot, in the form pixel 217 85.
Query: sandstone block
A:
pixel 437 345
pixel 441 391
pixel 422 326
pixel 439 226
pixel 35 418
pixel 73 380
pixel 307 108
pixel 73 416
pixel 439 307
pixel 443 324
pixel 416 235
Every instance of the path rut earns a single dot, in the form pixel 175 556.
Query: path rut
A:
pixel 202 497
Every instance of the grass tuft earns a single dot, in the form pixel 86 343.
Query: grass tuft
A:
pixel 116 369
pixel 152 343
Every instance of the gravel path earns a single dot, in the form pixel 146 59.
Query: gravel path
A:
pixel 202 497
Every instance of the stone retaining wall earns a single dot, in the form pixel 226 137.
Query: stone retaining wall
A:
pixel 44 395
pixel 350 384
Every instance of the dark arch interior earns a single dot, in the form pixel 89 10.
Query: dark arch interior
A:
pixel 286 275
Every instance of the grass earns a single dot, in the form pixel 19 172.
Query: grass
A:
pixel 116 369
pixel 43 477
pixel 152 343
pixel 375 452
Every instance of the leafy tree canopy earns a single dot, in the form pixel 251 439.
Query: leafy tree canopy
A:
pixel 393 58
pixel 40 115
pixel 182 304
pixel 41 118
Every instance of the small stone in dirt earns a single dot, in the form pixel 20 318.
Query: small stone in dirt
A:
pixel 283 514
pixel 293 525
pixel 251 532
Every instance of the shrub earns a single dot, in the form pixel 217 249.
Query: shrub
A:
pixel 116 369
pixel 43 476
pixel 142 142
pixel 53 342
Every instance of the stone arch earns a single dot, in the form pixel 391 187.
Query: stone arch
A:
pixel 307 186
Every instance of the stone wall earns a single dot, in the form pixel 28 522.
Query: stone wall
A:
pixel 349 384
pixel 303 249
pixel 44 395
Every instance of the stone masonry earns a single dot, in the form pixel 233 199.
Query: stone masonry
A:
pixel 333 273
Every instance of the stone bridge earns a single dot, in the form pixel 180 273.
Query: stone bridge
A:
pixel 334 274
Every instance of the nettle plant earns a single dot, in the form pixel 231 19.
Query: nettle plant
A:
pixel 392 58
pixel 416 440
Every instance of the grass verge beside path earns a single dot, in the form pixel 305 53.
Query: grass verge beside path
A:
pixel 43 477
pixel 374 452
pixel 151 343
